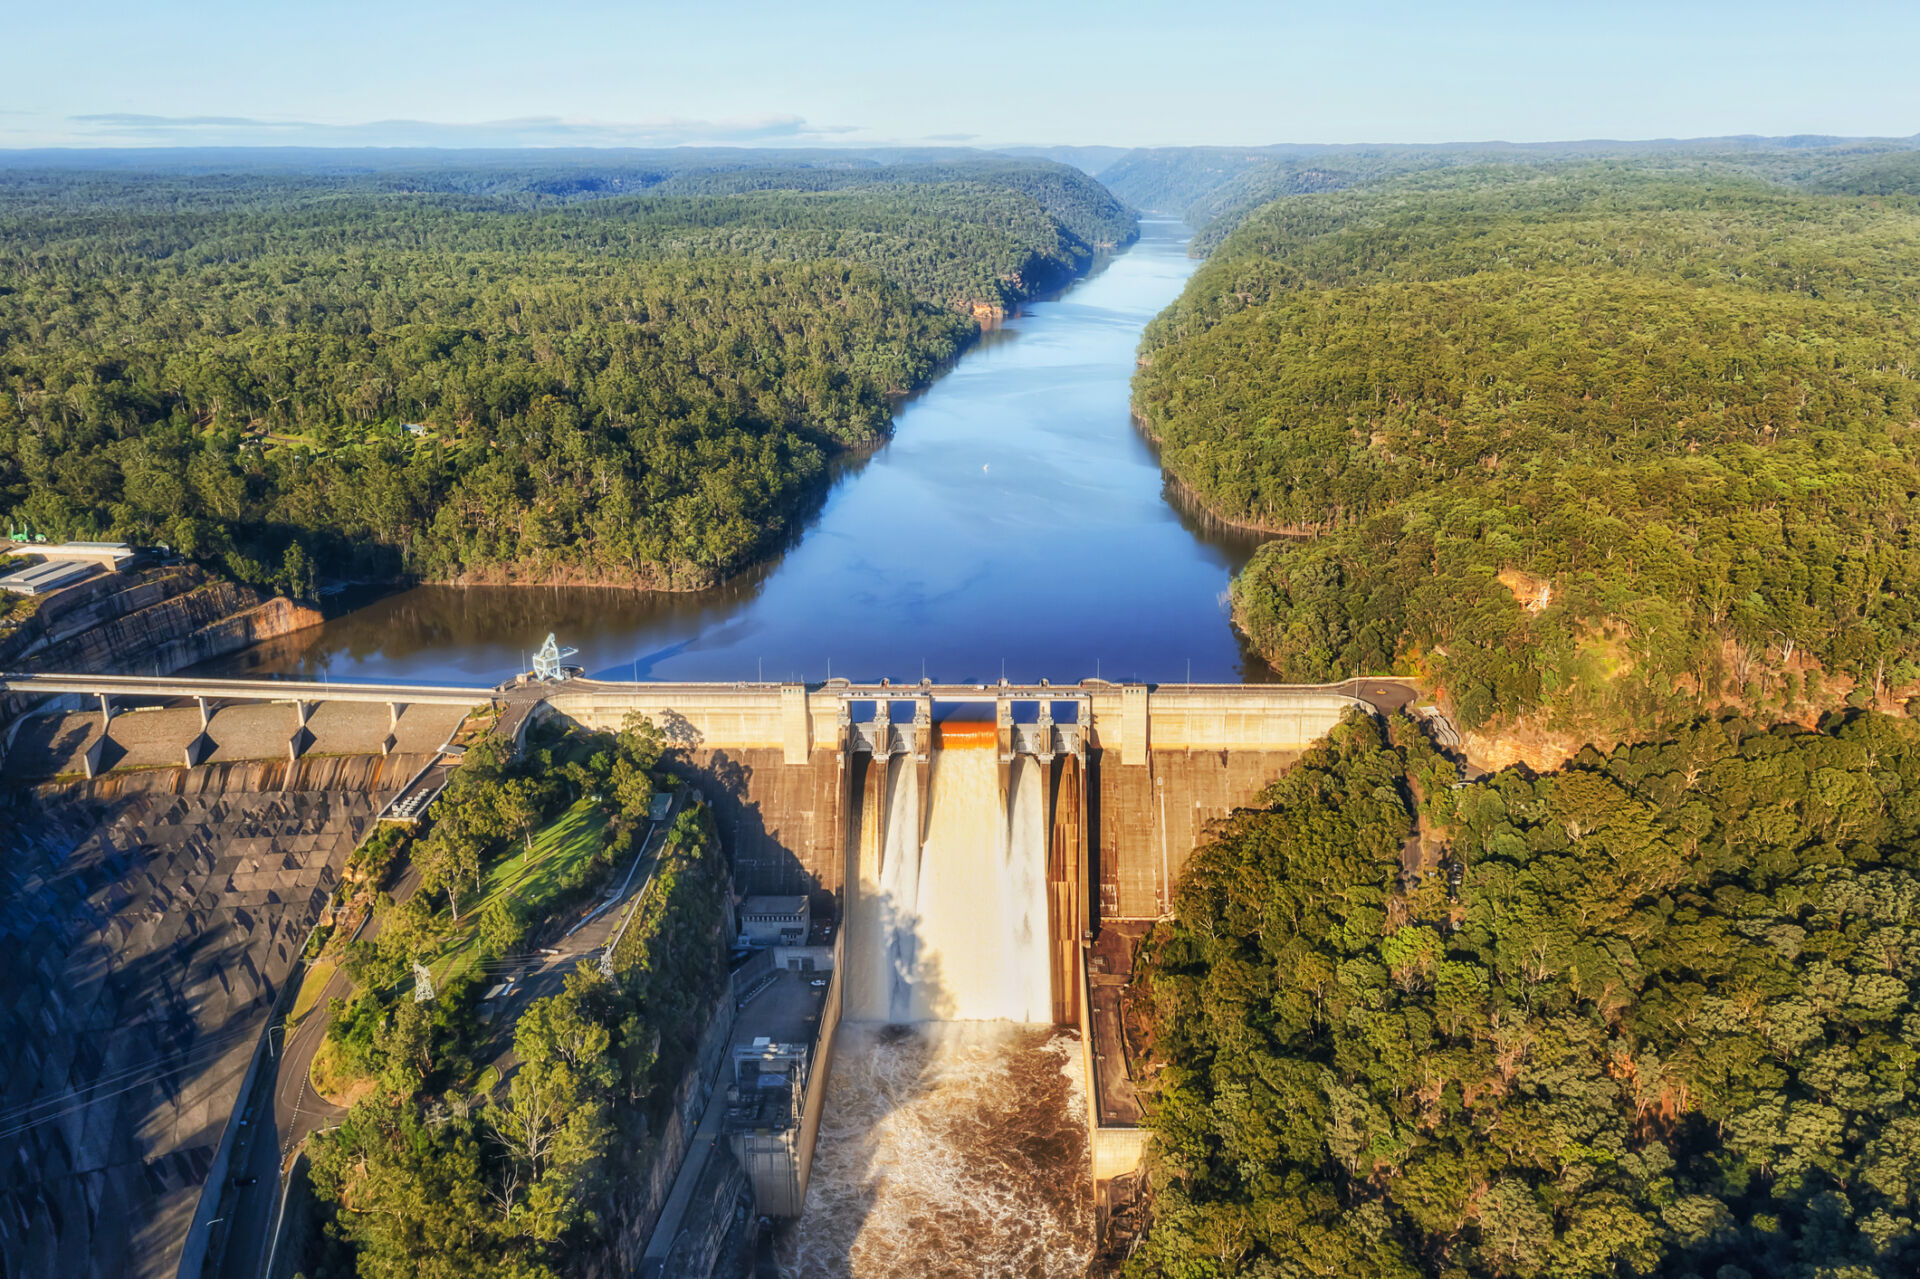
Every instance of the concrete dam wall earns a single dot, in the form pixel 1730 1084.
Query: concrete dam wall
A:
pixel 986 855
pixel 1158 764
pixel 154 918
pixel 992 853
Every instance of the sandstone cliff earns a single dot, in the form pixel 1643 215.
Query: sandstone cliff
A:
pixel 149 622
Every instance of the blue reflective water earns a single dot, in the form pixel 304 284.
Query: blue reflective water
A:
pixel 1015 523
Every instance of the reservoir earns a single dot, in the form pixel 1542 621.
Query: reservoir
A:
pixel 1016 523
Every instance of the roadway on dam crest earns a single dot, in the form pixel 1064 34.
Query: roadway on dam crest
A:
pixel 1016 527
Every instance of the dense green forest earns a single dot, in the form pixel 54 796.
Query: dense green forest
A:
pixel 453 373
pixel 189 179
pixel 1215 188
pixel 442 1169
pixel 1613 442
pixel 1860 168
pixel 1665 1019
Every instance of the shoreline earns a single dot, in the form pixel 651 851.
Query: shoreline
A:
pixel 688 579
pixel 1193 503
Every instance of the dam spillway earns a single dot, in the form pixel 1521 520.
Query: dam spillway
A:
pixel 984 879
pixel 954 1110
pixel 951 924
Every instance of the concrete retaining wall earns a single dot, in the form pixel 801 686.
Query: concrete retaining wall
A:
pixel 821 1065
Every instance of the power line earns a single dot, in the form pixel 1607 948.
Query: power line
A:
pixel 85 1102
pixel 127 1072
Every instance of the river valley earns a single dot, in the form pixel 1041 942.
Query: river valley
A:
pixel 1016 523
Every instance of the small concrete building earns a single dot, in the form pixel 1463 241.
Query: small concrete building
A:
pixel 108 555
pixel 47 576
pixel 776 921
pixel 62 564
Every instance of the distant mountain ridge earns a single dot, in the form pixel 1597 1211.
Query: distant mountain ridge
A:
pixel 1214 187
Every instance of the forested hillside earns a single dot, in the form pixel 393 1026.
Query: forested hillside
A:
pixel 256 176
pixel 1600 445
pixel 460 1157
pixel 1167 180
pixel 1667 1023
pixel 296 375
pixel 1215 188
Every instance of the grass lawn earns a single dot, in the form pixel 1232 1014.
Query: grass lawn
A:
pixel 310 987
pixel 532 878
pixel 332 1080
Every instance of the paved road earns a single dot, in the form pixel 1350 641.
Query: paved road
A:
pixel 537 976
pixel 1384 695
pixel 288 1116
pixel 277 690
pixel 294 1111
pixel 706 1140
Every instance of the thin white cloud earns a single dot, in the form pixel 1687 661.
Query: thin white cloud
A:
pixel 134 129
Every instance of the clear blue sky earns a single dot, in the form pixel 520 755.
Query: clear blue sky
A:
pixel 146 72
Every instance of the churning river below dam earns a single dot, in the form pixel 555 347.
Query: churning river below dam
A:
pixel 1017 521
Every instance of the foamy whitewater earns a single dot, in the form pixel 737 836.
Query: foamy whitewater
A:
pixel 948 1149
pixel 954 1139
pixel 982 909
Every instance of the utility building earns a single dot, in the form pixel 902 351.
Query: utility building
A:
pixel 776 921
pixel 62 564
pixel 764 1110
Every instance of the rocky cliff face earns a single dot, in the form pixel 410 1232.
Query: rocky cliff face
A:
pixel 148 622
pixel 643 1173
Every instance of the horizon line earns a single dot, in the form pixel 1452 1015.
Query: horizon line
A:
pixel 763 145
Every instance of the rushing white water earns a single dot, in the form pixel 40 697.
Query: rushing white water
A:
pixel 953 1140
pixel 1024 902
pixel 955 929
pixel 982 908
pixel 896 943
pixel 948 1149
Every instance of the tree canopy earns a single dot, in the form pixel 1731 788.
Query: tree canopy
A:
pixel 453 375
pixel 443 1169
pixel 1616 444
pixel 1667 1023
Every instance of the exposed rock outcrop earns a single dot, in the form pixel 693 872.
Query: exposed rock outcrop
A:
pixel 154 621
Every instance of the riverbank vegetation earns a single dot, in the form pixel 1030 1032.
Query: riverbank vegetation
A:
pixel 459 1158
pixel 1666 1022
pixel 457 375
pixel 1600 447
